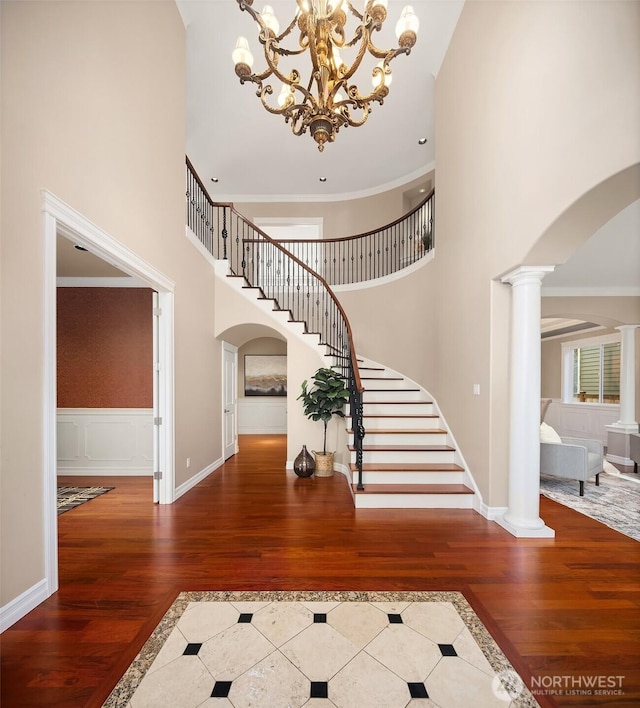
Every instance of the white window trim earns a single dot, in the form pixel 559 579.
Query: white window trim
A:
pixel 567 367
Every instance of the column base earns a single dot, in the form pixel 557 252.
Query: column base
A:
pixel 620 427
pixel 525 529
pixel 618 442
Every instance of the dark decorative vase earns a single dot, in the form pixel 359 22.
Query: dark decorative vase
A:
pixel 304 465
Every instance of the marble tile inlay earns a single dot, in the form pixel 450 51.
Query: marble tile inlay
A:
pixel 320 649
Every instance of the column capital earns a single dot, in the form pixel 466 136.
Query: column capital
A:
pixel 624 327
pixel 523 274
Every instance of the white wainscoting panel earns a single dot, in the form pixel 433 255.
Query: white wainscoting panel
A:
pixel 581 420
pixel 262 415
pixel 105 441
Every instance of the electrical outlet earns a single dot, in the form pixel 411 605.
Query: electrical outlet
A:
pixel 188 462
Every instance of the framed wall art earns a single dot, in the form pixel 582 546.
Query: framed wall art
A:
pixel 265 375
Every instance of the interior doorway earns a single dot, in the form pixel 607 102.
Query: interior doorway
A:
pixel 62 220
pixel 230 399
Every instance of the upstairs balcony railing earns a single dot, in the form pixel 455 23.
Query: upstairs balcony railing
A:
pixel 371 255
pixel 282 277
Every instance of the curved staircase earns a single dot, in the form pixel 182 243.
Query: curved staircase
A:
pixel 409 457
pixel 401 453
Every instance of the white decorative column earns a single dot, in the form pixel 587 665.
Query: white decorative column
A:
pixel 628 379
pixel 618 433
pixel 522 518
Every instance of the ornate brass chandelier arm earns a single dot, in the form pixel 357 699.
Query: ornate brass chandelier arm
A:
pixel 354 11
pixel 362 49
pixel 391 53
pixel 353 122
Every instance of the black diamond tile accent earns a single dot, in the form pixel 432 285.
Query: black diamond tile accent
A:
pixel 245 618
pixel 418 690
pixel 221 689
pixel 191 649
pixel 319 689
pixel 395 619
pixel 447 650
pixel 319 617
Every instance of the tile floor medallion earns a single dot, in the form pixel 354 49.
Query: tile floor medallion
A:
pixel 320 649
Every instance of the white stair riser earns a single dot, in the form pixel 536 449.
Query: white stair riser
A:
pixel 402 456
pixel 383 477
pixel 414 501
pixel 381 408
pixel 391 423
pixel 374 396
pixel 373 438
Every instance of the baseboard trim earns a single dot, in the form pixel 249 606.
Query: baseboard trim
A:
pixel 616 459
pixel 196 479
pixel 491 512
pixel 23 604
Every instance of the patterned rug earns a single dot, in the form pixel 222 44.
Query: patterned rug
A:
pixel 615 503
pixel 71 497
pixel 272 649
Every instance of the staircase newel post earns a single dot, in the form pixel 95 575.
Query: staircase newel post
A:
pixel 357 416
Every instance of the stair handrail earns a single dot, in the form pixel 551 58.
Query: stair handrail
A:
pixel 354 259
pixel 246 257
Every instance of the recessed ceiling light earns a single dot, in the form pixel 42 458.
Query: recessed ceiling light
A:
pixel 214 179
pixel 422 190
pixel 78 247
pixel 422 141
pixel 323 179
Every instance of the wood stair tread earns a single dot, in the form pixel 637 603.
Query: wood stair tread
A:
pixel 405 431
pixel 407 467
pixel 398 415
pixel 405 448
pixel 413 489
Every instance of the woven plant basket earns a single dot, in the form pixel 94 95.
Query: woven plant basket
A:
pixel 324 464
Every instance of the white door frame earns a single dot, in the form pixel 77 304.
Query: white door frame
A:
pixel 60 218
pixel 229 349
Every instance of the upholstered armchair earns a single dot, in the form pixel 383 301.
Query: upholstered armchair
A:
pixel 570 458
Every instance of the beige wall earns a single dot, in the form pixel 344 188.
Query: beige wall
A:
pixel 349 217
pixel 392 323
pixel 93 111
pixel 516 120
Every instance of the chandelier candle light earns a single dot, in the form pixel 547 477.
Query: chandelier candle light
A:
pixel 326 101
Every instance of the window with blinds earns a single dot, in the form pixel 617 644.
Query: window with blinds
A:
pixel 596 373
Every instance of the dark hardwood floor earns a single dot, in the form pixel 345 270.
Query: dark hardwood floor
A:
pixel 562 609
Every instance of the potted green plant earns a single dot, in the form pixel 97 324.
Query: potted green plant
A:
pixel 325 398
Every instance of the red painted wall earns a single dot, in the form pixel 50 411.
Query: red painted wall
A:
pixel 105 348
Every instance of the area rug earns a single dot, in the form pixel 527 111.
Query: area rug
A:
pixel 71 497
pixel 351 649
pixel 615 503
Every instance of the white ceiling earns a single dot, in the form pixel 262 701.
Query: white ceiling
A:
pixel 254 154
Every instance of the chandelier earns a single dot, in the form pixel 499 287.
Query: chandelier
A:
pixel 325 100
